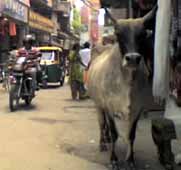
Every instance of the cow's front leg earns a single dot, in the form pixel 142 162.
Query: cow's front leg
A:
pixel 130 161
pixel 104 131
pixel 114 136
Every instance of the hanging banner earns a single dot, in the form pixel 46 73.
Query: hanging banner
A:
pixel 16 10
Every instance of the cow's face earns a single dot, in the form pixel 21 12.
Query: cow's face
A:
pixel 131 35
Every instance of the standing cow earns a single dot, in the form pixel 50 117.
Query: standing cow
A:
pixel 116 84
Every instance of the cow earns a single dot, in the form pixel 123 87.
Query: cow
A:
pixel 117 84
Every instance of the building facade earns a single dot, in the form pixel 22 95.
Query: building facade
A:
pixel 47 20
pixel 13 25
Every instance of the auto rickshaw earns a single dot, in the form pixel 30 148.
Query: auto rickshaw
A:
pixel 52 65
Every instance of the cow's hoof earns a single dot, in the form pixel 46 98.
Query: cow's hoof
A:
pixel 115 165
pixel 103 147
pixel 108 140
pixel 130 166
pixel 168 167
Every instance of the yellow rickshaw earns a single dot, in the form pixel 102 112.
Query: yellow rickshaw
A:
pixel 53 65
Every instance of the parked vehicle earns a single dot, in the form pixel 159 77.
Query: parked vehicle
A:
pixel 53 66
pixel 21 83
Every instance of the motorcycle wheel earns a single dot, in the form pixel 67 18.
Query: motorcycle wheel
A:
pixel 13 99
pixel 44 84
pixel 62 79
pixel 28 100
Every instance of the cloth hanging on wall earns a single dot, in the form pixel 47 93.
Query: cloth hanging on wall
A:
pixel 12 29
pixel 161 76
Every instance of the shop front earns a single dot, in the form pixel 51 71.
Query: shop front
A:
pixel 41 27
pixel 13 22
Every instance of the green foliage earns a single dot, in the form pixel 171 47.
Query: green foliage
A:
pixel 76 23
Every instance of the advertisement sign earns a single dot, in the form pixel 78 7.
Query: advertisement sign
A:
pixel 16 10
pixel 40 22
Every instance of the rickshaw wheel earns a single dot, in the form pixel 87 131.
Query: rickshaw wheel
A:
pixel 62 81
pixel 44 84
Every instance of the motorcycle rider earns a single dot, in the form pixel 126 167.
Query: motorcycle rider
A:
pixel 33 54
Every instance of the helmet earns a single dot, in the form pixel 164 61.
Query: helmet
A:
pixel 29 39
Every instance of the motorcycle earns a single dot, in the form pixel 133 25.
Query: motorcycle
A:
pixel 21 83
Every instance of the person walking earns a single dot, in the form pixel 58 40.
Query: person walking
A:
pixel 85 55
pixel 76 74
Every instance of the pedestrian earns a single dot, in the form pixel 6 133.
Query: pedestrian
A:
pixel 76 73
pixel 85 55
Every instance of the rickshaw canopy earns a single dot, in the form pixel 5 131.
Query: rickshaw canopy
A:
pixel 48 48
pixel 49 55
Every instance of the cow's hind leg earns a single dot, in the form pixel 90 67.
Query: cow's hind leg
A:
pixel 130 161
pixel 104 131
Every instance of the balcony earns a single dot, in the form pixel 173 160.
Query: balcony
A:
pixel 63 7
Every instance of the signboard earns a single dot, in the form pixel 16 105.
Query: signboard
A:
pixel 63 6
pixel 16 10
pixel 40 22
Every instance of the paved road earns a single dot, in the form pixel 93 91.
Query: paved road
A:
pixel 56 133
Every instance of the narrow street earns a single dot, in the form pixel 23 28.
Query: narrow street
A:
pixel 56 133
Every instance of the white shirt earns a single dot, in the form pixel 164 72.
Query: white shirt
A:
pixel 85 55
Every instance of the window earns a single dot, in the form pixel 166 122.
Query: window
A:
pixel 48 55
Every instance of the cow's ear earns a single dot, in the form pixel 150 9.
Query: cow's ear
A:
pixel 114 21
pixel 149 19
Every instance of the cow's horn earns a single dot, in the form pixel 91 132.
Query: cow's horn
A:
pixel 110 16
pixel 150 16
